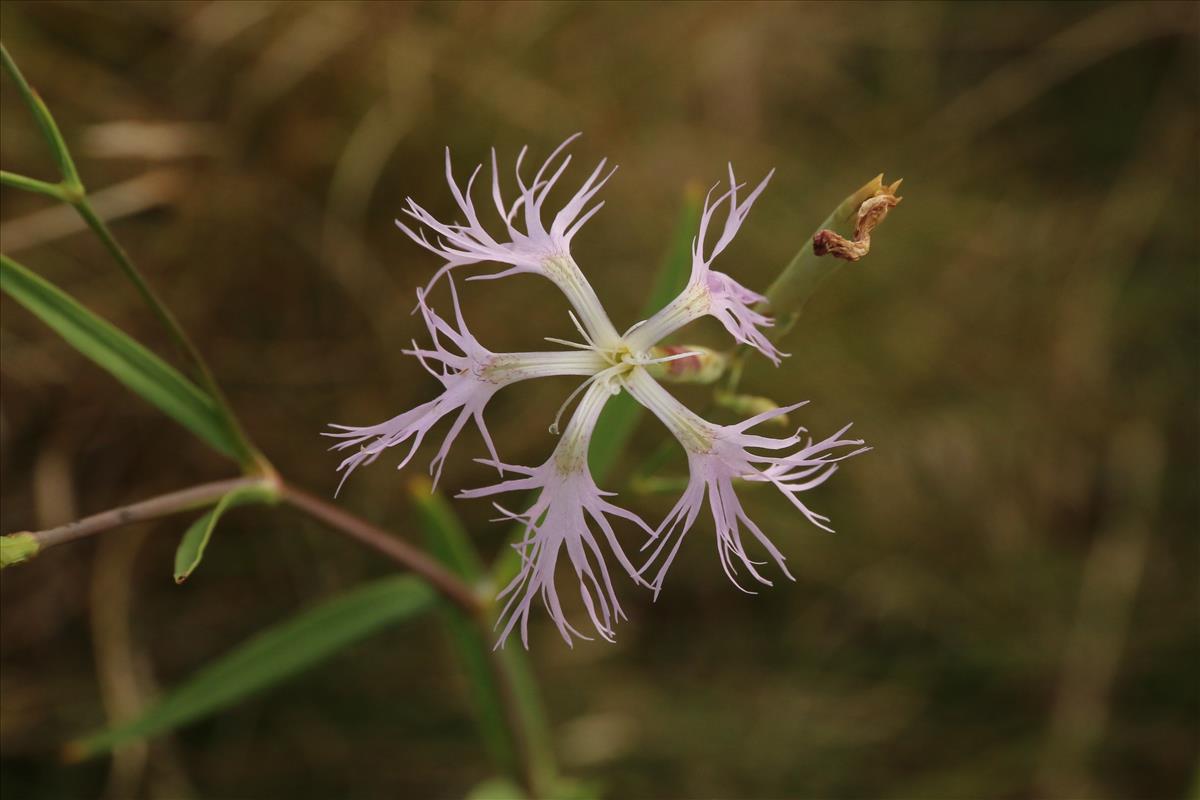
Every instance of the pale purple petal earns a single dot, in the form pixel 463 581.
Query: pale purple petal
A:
pixel 710 292
pixel 720 455
pixel 526 244
pixel 568 509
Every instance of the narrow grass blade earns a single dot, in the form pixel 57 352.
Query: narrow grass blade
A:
pixel 269 658
pixel 496 789
pixel 448 543
pixel 129 362
pixel 195 540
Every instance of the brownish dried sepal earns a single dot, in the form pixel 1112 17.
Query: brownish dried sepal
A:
pixel 872 212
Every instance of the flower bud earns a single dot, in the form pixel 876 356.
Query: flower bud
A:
pixel 694 364
pixel 750 405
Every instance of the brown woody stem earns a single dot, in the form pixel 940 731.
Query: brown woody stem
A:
pixel 164 505
pixel 384 543
pixel 205 494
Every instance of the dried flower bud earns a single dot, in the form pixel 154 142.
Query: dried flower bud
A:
pixel 872 212
pixel 856 216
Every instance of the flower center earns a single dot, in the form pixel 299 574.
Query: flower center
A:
pixel 621 356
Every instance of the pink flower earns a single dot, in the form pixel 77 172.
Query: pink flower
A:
pixel 571 515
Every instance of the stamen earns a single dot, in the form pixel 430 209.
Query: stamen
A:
pixel 579 327
pixel 568 343
pixel 603 374
pixel 558 416
pixel 642 362
pixel 591 343
pixel 634 327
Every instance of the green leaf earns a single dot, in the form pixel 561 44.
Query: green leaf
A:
pixel 527 697
pixel 496 789
pixel 621 413
pixel 449 543
pixel 126 360
pixel 448 540
pixel 17 547
pixel 195 540
pixel 268 658
pixel 676 264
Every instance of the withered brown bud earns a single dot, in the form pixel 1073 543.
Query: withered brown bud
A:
pixel 872 212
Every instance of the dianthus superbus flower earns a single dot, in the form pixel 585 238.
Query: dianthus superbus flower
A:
pixel 570 515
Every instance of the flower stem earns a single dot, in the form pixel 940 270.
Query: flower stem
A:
pixel 804 274
pixel 164 505
pixel 386 544
pixel 29 543
pixel 44 120
pixel 55 190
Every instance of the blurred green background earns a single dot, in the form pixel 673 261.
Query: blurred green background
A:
pixel 1009 608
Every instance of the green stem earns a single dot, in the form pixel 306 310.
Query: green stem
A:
pixel 512 666
pixel 165 317
pixel 806 271
pixel 55 190
pixel 45 121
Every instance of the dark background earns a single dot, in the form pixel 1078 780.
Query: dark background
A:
pixel 1009 607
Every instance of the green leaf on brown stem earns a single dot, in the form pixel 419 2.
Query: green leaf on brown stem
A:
pixel 195 540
